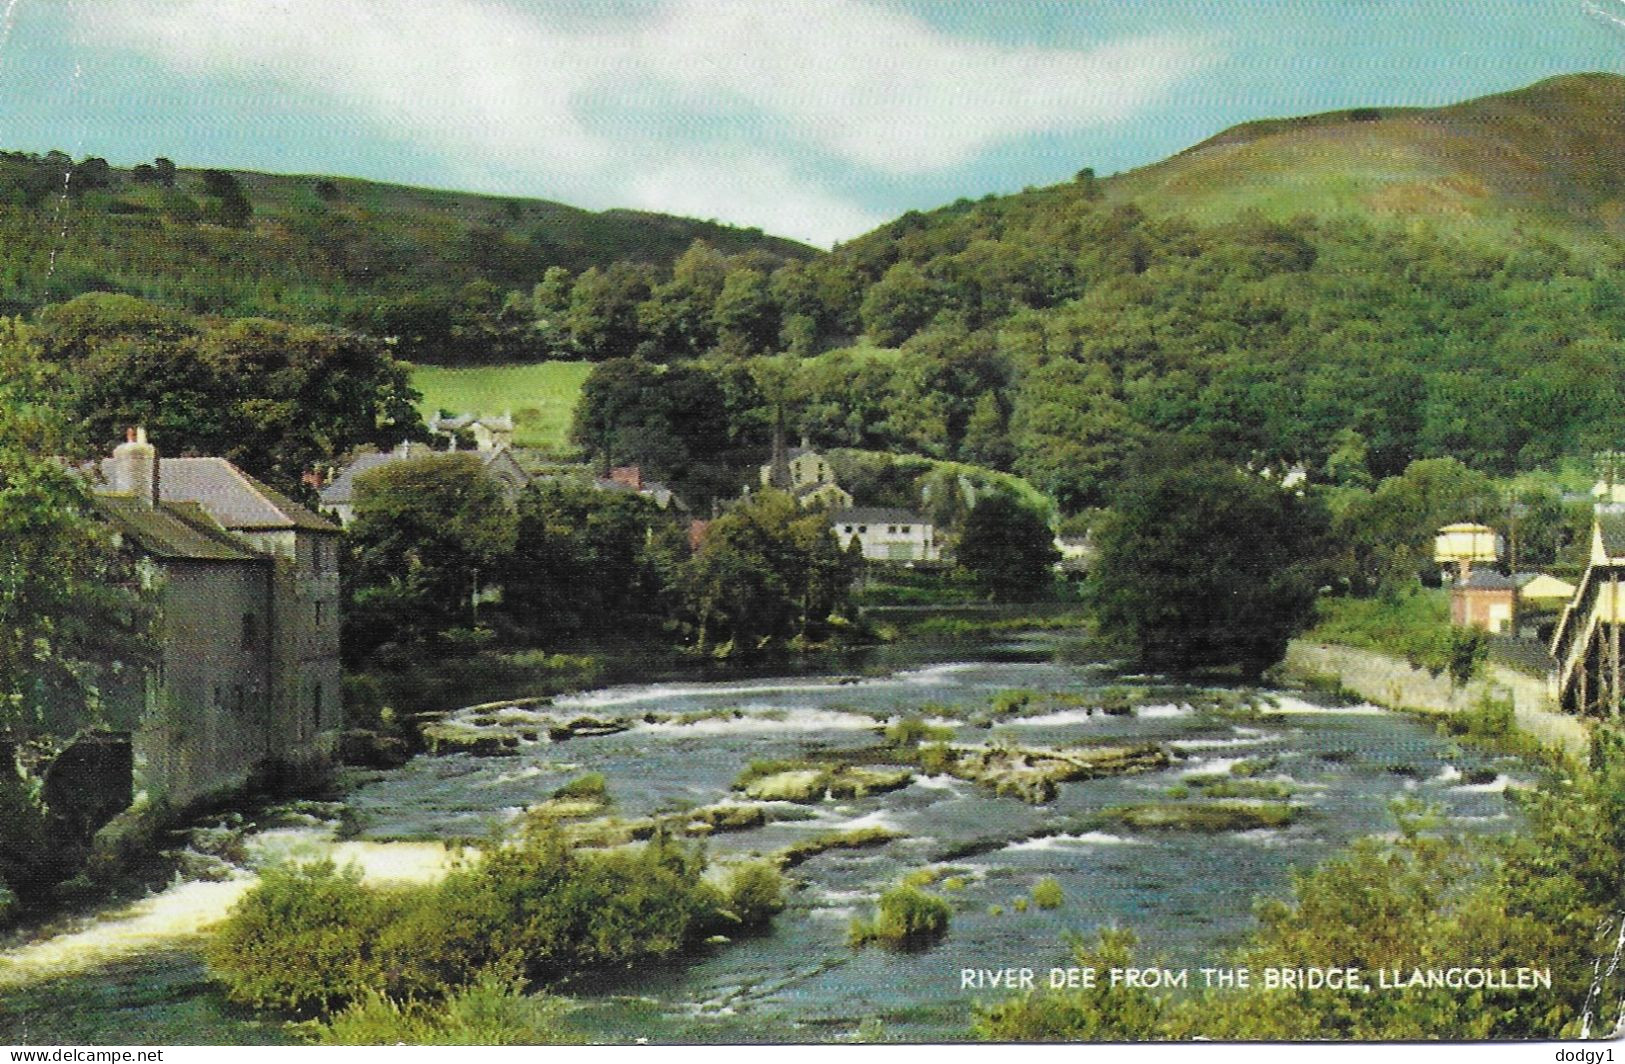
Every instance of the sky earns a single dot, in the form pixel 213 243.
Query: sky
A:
pixel 814 119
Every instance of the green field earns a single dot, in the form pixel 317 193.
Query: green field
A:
pixel 541 395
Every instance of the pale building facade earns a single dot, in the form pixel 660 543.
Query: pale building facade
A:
pixel 885 534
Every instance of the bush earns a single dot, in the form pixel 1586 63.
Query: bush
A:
pixel 492 1012
pixel 302 940
pixel 754 892
pixel 1047 893
pixel 313 939
pixel 907 916
pixel 590 786
pixel 911 731
pixel 1101 1013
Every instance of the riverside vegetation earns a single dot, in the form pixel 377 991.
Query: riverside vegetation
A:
pixel 1552 894
pixel 389 963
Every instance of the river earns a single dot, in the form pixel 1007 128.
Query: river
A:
pixel 131 974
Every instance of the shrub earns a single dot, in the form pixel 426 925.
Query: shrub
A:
pixel 302 940
pixel 313 939
pixel 936 758
pixel 1047 893
pixel 911 731
pixel 1101 1013
pixel 492 1012
pixel 589 786
pixel 907 916
pixel 1012 701
pixel 754 892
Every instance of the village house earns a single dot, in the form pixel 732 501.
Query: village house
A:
pixel 631 479
pixel 1484 599
pixel 247 679
pixel 337 492
pixel 885 534
pixel 489 433
pixel 805 474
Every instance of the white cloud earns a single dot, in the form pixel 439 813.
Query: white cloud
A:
pixel 749 190
pixel 484 82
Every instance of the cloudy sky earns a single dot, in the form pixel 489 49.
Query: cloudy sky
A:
pixel 816 119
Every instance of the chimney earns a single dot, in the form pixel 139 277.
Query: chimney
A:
pixel 134 469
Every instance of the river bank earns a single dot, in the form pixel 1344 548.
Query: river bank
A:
pixel 1395 684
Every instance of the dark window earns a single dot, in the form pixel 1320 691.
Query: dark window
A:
pixel 251 634
pixel 863 528
pixel 242 702
pixel 321 608
pixel 316 705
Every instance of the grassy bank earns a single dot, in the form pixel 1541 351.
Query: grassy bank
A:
pixel 1413 625
pixel 542 397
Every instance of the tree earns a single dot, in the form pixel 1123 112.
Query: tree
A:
pixel 603 314
pixel 1008 548
pixel 1205 565
pixel 275 399
pixel 671 421
pixel 899 305
pixel 228 204
pixel 746 317
pixel 767 573
pixel 71 604
pixel 428 533
pixel 589 561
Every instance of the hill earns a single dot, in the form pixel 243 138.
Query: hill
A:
pixel 310 249
pixel 1548 159
pixel 1345 292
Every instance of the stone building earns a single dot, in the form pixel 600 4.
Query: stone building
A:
pixel 489 433
pixel 247 679
pixel 805 474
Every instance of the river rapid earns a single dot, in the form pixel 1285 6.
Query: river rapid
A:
pixel 131 974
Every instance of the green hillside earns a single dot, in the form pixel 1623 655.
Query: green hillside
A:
pixel 1548 159
pixel 432 267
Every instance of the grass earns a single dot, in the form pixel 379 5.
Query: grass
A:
pixel 1414 626
pixel 856 839
pixel 542 397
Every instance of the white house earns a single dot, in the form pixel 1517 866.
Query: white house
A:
pixel 886 534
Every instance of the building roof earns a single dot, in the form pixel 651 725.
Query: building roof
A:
pixel 174 530
pixel 233 498
pixel 341 489
pixel 1486 580
pixel 876 515
pixel 462 421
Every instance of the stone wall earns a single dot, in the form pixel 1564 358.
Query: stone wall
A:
pixel 1390 681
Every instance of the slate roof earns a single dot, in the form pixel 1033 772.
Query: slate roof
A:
pixel 461 421
pixel 876 515
pixel 341 489
pixel 174 530
pixel 233 498
pixel 1487 580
